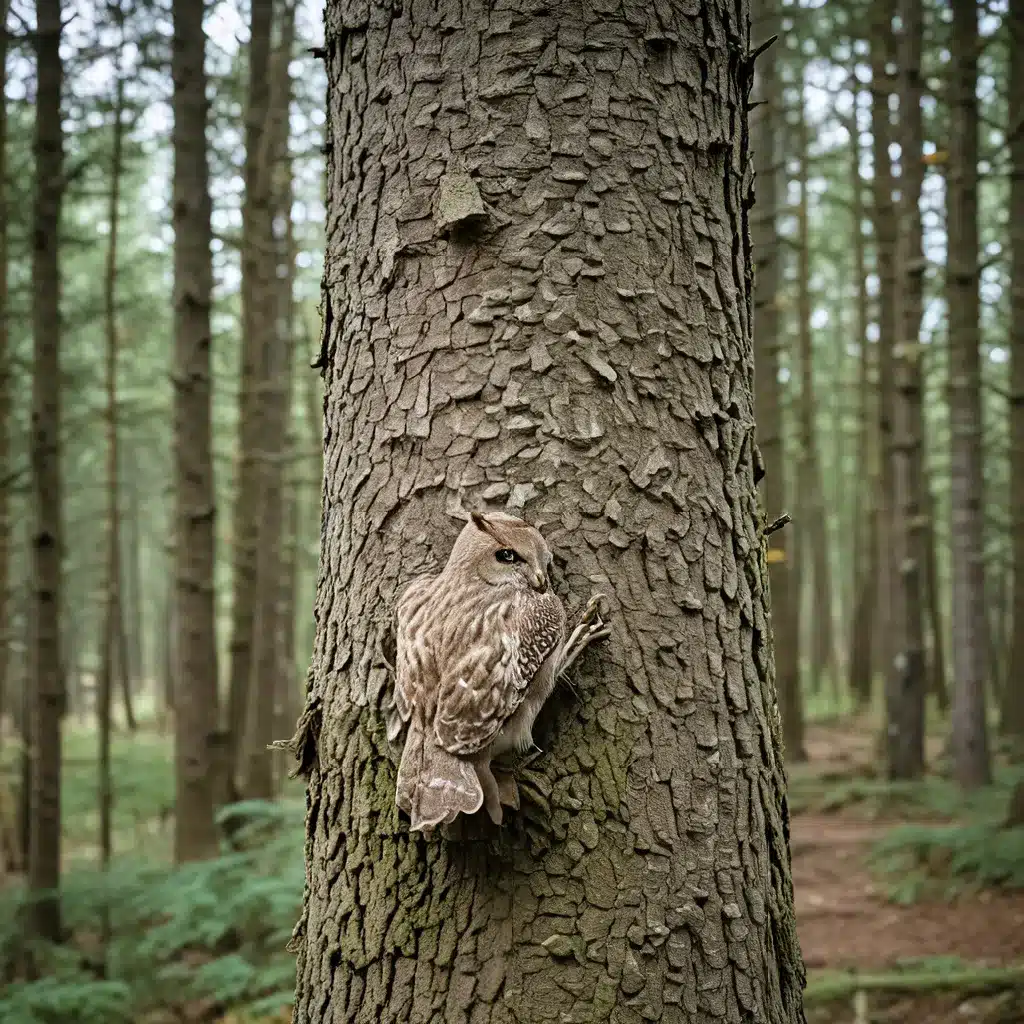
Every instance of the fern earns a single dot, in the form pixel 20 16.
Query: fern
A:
pixel 73 1000
pixel 214 930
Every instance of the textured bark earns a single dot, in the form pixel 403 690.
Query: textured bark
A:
pixel 884 226
pixel 5 389
pixel 568 335
pixel 905 678
pixel 195 654
pixel 865 538
pixel 1012 717
pixel 969 625
pixel 274 376
pixel 47 541
pixel 768 343
pixel 256 319
pixel 812 496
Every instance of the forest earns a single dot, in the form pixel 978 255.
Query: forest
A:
pixel 725 298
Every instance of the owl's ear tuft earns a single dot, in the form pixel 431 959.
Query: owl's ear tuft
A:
pixel 480 521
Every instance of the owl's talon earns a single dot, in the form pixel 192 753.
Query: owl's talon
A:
pixel 508 790
pixel 530 757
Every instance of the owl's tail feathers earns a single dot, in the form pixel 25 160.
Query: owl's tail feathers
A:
pixel 433 785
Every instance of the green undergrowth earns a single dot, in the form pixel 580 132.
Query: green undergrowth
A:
pixel 208 935
pixel 933 798
pixel 920 860
pixel 923 976
pixel 974 850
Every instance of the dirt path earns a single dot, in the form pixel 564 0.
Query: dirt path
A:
pixel 844 919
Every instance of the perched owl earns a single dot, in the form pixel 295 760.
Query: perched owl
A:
pixel 479 648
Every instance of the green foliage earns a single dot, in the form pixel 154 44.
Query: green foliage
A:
pixel 935 975
pixel 931 798
pixel 213 931
pixel 914 857
pixel 72 998
pixel 975 851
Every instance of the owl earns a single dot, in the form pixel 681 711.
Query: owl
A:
pixel 479 649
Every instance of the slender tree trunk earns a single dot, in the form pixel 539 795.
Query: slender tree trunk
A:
pixel 970 738
pixel 112 624
pixel 938 684
pixel 27 705
pixel 288 694
pixel 905 679
pixel 195 697
pixel 48 691
pixel 648 875
pixel 1013 701
pixel 134 606
pixel 122 661
pixel 822 635
pixel 865 559
pixel 884 222
pixel 5 388
pixel 768 340
pixel 256 289
pixel 274 380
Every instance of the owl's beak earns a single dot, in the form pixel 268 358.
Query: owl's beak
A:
pixel 540 581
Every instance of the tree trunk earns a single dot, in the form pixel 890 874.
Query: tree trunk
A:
pixel 274 378
pixel 48 691
pixel 884 223
pixel 195 696
pixel 938 684
pixel 905 678
pixel 113 627
pixel 1012 710
pixel 865 558
pixel 134 605
pixel 821 633
pixel 289 697
pixel 5 389
pixel 580 349
pixel 768 340
pixel 256 289
pixel 969 625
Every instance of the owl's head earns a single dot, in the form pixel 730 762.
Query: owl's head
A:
pixel 503 551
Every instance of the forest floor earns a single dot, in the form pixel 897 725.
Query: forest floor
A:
pixel 852 917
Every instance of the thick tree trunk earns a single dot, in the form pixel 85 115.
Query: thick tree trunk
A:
pixel 905 678
pixel 969 625
pixel 768 343
pixel 569 334
pixel 257 285
pixel 195 661
pixel 1013 700
pixel 274 385
pixel 48 691
pixel 884 222
pixel 821 633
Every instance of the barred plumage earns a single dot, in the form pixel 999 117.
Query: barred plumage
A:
pixel 478 649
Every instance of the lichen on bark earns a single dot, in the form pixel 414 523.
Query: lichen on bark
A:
pixel 582 356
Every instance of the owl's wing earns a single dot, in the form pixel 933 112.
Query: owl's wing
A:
pixel 412 668
pixel 483 688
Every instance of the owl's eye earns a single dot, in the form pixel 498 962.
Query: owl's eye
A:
pixel 507 555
